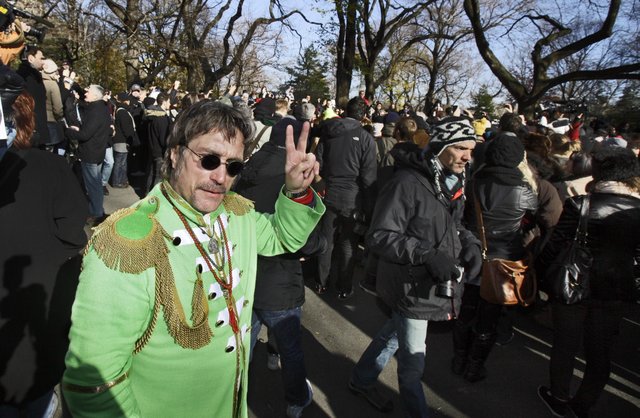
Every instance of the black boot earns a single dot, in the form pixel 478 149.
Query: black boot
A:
pixel 462 335
pixel 459 362
pixel 480 349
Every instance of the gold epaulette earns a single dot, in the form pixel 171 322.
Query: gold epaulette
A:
pixel 236 204
pixel 131 240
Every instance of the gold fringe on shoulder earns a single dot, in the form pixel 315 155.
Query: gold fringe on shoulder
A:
pixel 236 204
pixel 128 255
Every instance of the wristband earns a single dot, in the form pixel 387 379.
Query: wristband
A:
pixel 307 199
pixel 296 195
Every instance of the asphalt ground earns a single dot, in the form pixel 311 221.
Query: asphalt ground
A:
pixel 336 332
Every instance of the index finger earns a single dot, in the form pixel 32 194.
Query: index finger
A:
pixel 302 140
pixel 288 142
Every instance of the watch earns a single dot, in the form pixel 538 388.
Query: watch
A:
pixel 295 195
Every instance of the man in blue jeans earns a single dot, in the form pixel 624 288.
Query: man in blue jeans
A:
pixel 417 233
pixel 92 138
pixel 279 293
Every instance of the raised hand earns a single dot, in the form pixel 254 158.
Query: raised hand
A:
pixel 301 167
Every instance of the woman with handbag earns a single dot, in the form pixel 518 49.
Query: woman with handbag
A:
pixel 612 222
pixel 503 192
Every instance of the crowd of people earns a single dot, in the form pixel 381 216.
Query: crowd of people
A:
pixel 242 191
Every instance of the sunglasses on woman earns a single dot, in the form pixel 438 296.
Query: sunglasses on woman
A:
pixel 212 161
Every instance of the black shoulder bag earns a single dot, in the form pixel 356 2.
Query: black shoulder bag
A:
pixel 568 274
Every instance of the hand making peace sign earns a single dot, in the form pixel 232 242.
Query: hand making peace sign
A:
pixel 301 167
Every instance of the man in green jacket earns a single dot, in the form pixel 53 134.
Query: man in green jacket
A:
pixel 162 312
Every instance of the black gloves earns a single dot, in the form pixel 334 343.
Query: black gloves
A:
pixel 471 258
pixel 440 266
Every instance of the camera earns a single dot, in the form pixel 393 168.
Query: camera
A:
pixel 8 15
pixel 445 289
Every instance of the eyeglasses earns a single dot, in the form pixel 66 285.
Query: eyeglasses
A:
pixel 212 161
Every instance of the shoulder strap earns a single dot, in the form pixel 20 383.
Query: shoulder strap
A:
pixel 483 238
pixel 255 141
pixel 581 231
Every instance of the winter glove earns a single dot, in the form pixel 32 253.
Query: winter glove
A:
pixel 440 266
pixel 471 258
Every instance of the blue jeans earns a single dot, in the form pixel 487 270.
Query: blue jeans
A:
pixel 408 338
pixel 107 165
pixel 285 327
pixel 43 407
pixel 119 174
pixel 92 176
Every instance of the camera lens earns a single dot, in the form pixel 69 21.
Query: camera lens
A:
pixel 445 290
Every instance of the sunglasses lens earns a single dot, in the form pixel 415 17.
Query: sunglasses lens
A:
pixel 234 168
pixel 210 162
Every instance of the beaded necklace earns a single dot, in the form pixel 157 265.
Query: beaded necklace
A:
pixel 225 285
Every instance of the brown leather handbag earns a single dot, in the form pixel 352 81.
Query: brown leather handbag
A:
pixel 505 282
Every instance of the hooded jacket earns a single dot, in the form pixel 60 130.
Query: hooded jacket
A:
pixel 347 157
pixel 157 129
pixel 412 218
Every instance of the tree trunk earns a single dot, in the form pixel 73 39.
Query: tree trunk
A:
pixel 346 51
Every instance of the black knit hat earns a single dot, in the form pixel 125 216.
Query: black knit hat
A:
pixel 448 132
pixel 615 164
pixel 505 151
pixel 265 109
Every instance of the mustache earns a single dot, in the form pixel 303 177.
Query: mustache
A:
pixel 213 187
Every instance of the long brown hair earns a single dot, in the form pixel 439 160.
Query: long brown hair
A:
pixel 25 120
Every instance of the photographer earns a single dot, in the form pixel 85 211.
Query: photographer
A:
pixel 417 233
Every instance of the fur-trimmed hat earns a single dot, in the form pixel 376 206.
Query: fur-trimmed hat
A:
pixel 450 131
pixel 615 164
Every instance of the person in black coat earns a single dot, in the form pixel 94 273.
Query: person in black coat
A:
pixel 613 222
pixel 124 137
pixel 417 233
pixel 279 293
pixel 93 137
pixel 157 124
pixel 505 196
pixel 347 157
pixel 43 211
pixel 29 69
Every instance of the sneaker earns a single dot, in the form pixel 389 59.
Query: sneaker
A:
pixel 556 406
pixel 368 287
pixel 295 411
pixel 320 289
pixel 372 396
pixel 273 361
pixel 344 295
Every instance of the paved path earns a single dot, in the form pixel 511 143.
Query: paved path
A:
pixel 335 334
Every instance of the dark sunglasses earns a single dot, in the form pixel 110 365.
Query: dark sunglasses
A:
pixel 211 161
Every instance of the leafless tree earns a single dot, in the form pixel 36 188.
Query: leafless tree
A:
pixel 553 45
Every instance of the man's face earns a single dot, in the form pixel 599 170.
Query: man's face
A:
pixel 37 60
pixel 455 157
pixel 135 93
pixel 204 189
